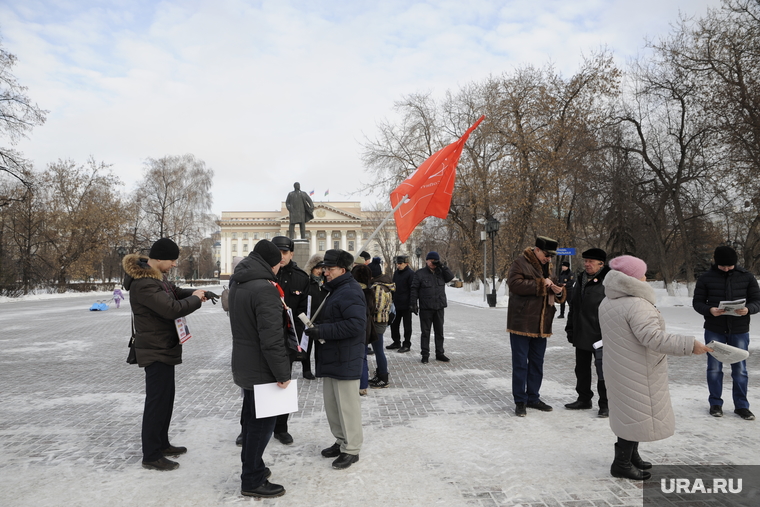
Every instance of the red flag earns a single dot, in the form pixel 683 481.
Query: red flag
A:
pixel 429 189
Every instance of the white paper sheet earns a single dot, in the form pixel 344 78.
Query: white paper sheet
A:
pixel 272 400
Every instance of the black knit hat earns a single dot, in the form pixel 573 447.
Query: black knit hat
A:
pixel 725 256
pixel 375 267
pixel 433 255
pixel 547 245
pixel 269 252
pixel 595 254
pixel 164 250
pixel 365 255
pixel 339 258
pixel 283 243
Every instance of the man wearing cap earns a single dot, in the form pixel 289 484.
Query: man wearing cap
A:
pixel 532 294
pixel 428 296
pixel 725 281
pixel 156 303
pixel 295 284
pixel 259 356
pixel 566 278
pixel 583 330
pixel 366 258
pixel 339 335
pixel 402 277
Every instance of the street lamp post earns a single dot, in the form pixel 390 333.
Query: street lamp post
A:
pixel 492 228
pixel 218 269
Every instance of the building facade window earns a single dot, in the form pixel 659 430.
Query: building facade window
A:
pixel 351 246
pixel 234 248
pixel 336 245
pixel 255 235
pixel 245 235
pixel 321 246
pixel 266 235
pixel 336 234
pixel 351 235
pixel 245 247
pixel 321 234
pixel 234 235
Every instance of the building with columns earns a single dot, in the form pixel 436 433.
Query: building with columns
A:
pixel 336 224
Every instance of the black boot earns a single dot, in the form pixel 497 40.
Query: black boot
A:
pixel 374 379
pixel 622 466
pixel 381 383
pixel 637 461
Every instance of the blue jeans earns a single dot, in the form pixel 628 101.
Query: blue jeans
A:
pixel 527 367
pixel 738 370
pixel 382 361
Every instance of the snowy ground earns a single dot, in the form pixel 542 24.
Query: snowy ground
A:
pixel 442 434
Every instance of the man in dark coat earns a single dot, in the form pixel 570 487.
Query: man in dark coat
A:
pixel 428 296
pixel 301 209
pixel 259 356
pixel 583 330
pixel 725 281
pixel 340 335
pixel 532 294
pixel 402 300
pixel 295 284
pixel 565 278
pixel 156 303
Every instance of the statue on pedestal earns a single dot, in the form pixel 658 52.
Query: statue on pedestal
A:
pixel 301 210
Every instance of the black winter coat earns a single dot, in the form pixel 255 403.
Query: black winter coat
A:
pixel 567 279
pixel 342 325
pixel 583 320
pixel 259 351
pixel 156 303
pixel 295 284
pixel 429 287
pixel 403 280
pixel 715 286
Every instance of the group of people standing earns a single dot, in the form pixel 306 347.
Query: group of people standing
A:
pixel 613 323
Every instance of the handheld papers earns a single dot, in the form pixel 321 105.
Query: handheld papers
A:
pixel 732 306
pixel 726 353
pixel 272 400
pixel 182 330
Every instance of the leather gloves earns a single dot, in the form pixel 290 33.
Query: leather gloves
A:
pixel 415 309
pixel 312 332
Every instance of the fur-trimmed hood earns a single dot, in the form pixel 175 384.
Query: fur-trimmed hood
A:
pixel 313 261
pixel 136 267
pixel 618 285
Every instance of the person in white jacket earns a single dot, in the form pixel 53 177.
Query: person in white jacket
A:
pixel 636 347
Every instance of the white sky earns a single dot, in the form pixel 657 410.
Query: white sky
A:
pixel 276 91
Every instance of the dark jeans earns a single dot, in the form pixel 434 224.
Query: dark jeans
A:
pixel 382 361
pixel 256 435
pixel 159 404
pixel 527 367
pixel 583 359
pixel 428 318
pixel 738 370
pixel 406 317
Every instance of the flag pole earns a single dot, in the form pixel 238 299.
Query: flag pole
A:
pixel 390 215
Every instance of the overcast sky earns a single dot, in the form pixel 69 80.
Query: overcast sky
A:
pixel 272 92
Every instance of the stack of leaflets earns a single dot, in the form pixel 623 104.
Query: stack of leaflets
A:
pixel 727 353
pixel 732 306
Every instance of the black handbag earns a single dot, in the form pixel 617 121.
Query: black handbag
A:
pixel 132 356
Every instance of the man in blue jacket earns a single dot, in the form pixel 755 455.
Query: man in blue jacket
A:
pixel 259 356
pixel 339 338
pixel 428 296
pixel 725 281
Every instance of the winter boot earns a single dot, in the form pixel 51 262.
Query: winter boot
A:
pixel 622 466
pixel 374 379
pixel 381 383
pixel 637 461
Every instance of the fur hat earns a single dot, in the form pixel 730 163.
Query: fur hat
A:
pixel 315 261
pixel 362 274
pixel 402 259
pixel 283 243
pixel 339 258
pixel 433 255
pixel 629 265
pixel 725 256
pixel 595 254
pixel 269 252
pixel 547 245
pixel 164 250
pixel 566 264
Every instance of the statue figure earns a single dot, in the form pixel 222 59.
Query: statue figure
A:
pixel 301 210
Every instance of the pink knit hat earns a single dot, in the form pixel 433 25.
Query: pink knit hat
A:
pixel 629 265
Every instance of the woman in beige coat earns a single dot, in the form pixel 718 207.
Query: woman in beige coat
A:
pixel 636 365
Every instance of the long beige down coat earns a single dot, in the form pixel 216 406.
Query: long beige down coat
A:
pixel 635 360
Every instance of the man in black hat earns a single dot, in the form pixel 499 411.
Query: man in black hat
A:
pixel 428 296
pixel 156 304
pixel 565 278
pixel 340 344
pixel 295 284
pixel 725 281
pixel 532 294
pixel 402 277
pixel 584 332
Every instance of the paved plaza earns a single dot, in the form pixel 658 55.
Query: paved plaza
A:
pixel 442 434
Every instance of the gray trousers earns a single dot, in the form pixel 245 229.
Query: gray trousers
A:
pixel 344 413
